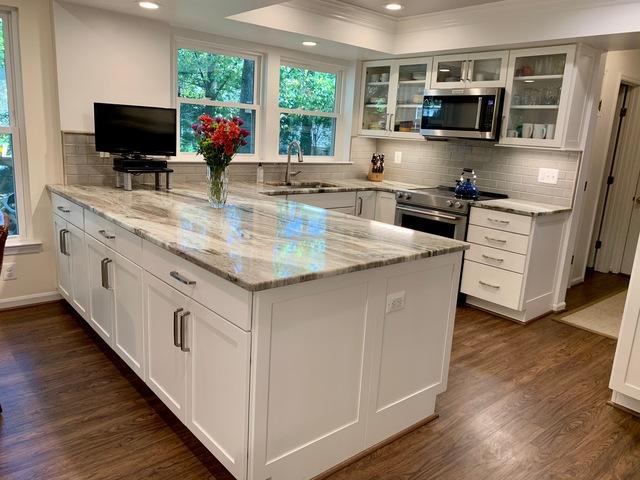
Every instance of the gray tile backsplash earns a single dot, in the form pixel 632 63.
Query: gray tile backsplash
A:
pixel 513 171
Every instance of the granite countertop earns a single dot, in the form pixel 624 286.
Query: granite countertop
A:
pixel 521 207
pixel 258 241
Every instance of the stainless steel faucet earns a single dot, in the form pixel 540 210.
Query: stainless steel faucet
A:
pixel 288 174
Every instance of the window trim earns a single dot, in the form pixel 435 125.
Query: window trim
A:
pixel 22 242
pixel 184 43
pixel 338 112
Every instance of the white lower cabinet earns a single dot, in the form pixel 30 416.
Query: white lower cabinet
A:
pixel 100 260
pixel 386 207
pixel 62 257
pixel 198 364
pixel 366 204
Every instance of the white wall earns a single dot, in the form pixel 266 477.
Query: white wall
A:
pixel 36 272
pixel 108 57
pixel 619 65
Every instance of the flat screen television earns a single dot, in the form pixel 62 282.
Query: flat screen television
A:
pixel 133 130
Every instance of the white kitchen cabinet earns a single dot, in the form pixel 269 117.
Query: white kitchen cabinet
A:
pixel 62 257
pixel 330 200
pixel 470 70
pixel 391 97
pixel 625 376
pixel 100 265
pixel 366 204
pixel 386 207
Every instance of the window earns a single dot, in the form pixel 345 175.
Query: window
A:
pixel 216 84
pixel 308 102
pixel 10 194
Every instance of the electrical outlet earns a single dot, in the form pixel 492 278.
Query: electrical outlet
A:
pixel 395 301
pixel 397 157
pixel 9 271
pixel 548 175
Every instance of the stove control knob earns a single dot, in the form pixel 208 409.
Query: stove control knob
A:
pixel 407 196
pixel 449 203
pixel 458 205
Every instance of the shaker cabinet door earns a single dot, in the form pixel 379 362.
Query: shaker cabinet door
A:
pixel 61 236
pixel 101 288
pixel 77 249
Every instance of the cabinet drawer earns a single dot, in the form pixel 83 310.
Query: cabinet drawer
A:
pixel 496 258
pixel 68 210
pixel 326 200
pixel 508 222
pixel 492 284
pixel 511 242
pixel 224 298
pixel 125 243
pixel 347 210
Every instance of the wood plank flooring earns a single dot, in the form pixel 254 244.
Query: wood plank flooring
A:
pixel 523 402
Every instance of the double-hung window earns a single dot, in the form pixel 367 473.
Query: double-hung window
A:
pixel 216 83
pixel 309 104
pixel 11 192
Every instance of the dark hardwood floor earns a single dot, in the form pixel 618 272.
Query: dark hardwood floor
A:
pixel 524 402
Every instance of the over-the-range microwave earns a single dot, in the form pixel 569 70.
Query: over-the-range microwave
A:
pixel 462 113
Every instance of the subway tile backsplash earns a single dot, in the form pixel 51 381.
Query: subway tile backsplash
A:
pixel 513 171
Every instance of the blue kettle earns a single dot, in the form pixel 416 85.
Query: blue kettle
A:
pixel 466 187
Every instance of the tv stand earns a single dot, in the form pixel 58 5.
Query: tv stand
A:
pixel 127 167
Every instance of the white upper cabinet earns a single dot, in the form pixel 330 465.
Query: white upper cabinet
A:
pixel 469 70
pixel 391 97
pixel 537 99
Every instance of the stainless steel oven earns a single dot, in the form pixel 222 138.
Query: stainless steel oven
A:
pixel 427 220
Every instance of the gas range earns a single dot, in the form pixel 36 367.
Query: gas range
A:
pixel 441 198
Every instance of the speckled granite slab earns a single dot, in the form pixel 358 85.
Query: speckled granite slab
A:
pixel 521 207
pixel 257 242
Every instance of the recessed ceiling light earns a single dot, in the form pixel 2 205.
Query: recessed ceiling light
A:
pixel 529 81
pixel 444 70
pixel 149 5
pixel 394 6
pixel 309 43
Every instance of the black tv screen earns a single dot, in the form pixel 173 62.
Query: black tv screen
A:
pixel 135 130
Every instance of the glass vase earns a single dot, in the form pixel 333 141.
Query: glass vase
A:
pixel 218 185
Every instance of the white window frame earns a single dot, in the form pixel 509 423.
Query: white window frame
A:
pixel 339 136
pixel 181 43
pixel 22 242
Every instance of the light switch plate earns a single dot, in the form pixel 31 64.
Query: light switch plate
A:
pixel 548 175
pixel 395 301
pixel 397 157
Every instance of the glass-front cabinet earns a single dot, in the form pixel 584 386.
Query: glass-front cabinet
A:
pixel 469 70
pixel 392 94
pixel 536 100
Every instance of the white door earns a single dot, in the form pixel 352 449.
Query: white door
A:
pixel 632 235
pixel 409 80
pixel 128 335
pixel 625 376
pixel 487 69
pixel 375 98
pixel 77 248
pixel 61 235
pixel 366 204
pixel 101 287
pixel 449 71
pixel 218 366
pixel 386 207
pixel 166 362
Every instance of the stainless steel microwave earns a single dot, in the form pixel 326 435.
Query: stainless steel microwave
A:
pixel 462 113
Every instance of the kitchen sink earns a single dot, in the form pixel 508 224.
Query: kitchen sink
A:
pixel 302 184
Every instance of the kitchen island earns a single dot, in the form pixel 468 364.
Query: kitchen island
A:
pixel 286 337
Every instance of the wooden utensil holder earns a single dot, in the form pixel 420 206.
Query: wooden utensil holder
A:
pixel 375 177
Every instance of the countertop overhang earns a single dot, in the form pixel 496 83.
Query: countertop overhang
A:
pixel 259 241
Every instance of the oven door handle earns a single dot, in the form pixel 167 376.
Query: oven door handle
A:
pixel 430 213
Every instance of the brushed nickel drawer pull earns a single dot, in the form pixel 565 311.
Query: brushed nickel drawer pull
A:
pixel 183 332
pixel 182 279
pixel 497 220
pixel 108 236
pixel 176 328
pixel 491 239
pixel 495 259
pixel 490 285
pixel 64 210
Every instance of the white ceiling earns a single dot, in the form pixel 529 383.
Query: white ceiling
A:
pixel 414 7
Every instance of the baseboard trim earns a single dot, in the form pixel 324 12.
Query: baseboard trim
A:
pixel 32 299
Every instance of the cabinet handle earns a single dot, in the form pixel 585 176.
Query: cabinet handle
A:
pixel 360 206
pixel 463 71
pixel 108 236
pixel 104 266
pixel 176 328
pixel 470 70
pixel 63 242
pixel 183 332
pixel 181 279
pixel 391 115
pixel 495 259
pixel 490 285
pixel 491 239
pixel 64 210
pixel 497 220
